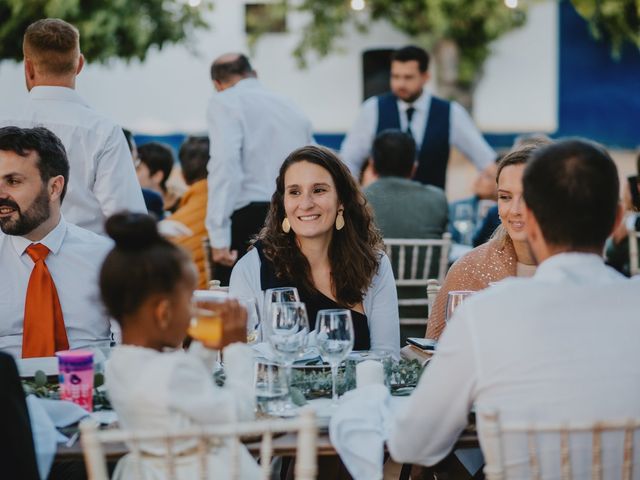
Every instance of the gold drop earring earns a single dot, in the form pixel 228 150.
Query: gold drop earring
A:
pixel 340 220
pixel 286 226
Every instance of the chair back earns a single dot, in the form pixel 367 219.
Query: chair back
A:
pixel 94 442
pixel 415 263
pixel 494 441
pixel 634 263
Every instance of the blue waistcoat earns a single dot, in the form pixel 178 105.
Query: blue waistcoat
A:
pixel 433 156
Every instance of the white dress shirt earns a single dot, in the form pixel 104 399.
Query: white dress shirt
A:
pixel 380 302
pixel 74 261
pixel 102 178
pixel 561 346
pixel 252 130
pixel 463 134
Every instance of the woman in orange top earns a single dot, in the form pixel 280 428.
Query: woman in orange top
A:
pixel 194 156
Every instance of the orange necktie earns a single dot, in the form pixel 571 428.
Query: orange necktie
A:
pixel 43 330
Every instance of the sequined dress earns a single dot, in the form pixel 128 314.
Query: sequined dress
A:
pixel 490 262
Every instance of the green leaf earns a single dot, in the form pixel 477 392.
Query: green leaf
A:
pixel 40 378
pixel 108 28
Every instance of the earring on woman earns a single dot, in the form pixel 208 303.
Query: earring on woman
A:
pixel 286 226
pixel 340 220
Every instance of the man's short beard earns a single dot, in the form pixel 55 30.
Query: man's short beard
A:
pixel 32 218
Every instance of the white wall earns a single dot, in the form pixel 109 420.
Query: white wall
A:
pixel 519 89
pixel 169 91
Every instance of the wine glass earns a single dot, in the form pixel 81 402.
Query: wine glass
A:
pixel 289 331
pixel 250 304
pixel 455 299
pixel 334 339
pixel 276 295
pixel 463 222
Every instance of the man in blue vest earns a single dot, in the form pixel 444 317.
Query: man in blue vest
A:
pixel 435 124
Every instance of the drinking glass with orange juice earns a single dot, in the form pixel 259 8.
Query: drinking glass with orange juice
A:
pixel 206 322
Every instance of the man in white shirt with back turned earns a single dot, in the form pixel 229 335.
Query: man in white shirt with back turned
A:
pixel 49 298
pixel 251 130
pixel 103 179
pixel 434 123
pixel 558 347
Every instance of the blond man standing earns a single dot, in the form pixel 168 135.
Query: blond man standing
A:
pixel 103 179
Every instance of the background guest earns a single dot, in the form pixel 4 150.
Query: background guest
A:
pixel 102 178
pixel 617 248
pixel 320 237
pixel 152 200
pixel 506 255
pixel 403 208
pixel 49 266
pixel 154 169
pixel 472 211
pixel 251 130
pixel 192 210
pixel 435 124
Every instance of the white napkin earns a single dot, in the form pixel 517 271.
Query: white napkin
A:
pixel 358 432
pixel 45 415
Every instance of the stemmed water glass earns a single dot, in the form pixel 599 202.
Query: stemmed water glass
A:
pixel 288 333
pixel 334 338
pixel 455 299
pixel 276 295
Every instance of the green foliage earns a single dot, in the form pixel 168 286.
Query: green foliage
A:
pixel 40 387
pixel 471 24
pixel 617 21
pixel 108 28
pixel 316 382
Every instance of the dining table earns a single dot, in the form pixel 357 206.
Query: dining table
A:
pixel 283 445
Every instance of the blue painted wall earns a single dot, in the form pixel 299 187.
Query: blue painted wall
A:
pixel 599 97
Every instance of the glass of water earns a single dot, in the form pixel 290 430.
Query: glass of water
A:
pixel 271 296
pixel 463 222
pixel 271 387
pixel 288 334
pixel 455 299
pixel 334 339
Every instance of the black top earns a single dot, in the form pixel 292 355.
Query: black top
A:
pixel 314 302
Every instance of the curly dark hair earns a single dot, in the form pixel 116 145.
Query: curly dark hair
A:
pixel 354 251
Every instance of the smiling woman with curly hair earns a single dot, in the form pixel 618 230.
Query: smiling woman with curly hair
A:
pixel 320 237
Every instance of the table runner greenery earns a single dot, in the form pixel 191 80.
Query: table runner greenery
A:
pixel 307 383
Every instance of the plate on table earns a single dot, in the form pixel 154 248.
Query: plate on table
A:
pixel 27 367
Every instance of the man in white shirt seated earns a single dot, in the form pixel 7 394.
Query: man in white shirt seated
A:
pixel 103 179
pixel 558 347
pixel 49 298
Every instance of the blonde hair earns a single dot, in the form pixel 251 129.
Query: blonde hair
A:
pixel 53 45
